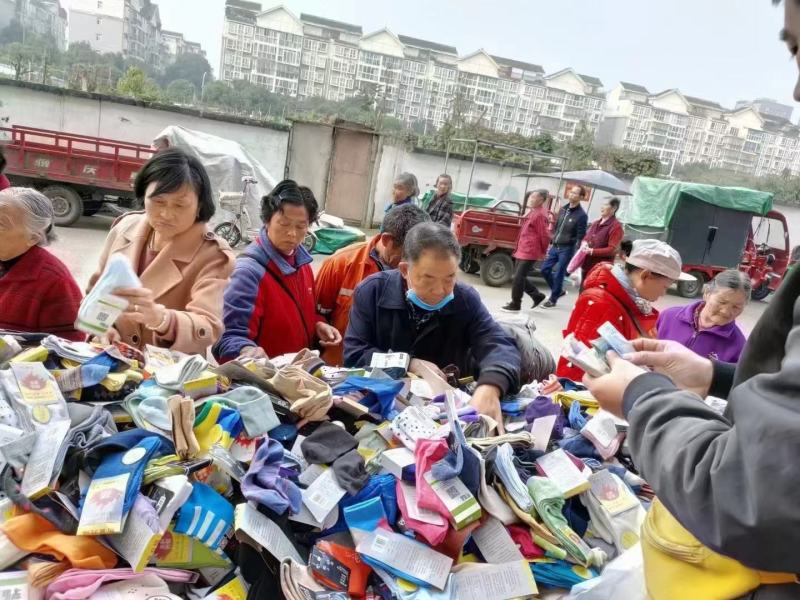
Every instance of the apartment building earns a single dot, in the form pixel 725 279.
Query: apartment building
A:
pixel 768 107
pixel 418 81
pixel 39 18
pixel 130 27
pixel 174 45
pixel 682 129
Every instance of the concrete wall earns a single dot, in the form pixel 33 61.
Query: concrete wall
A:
pixel 312 145
pixel 91 115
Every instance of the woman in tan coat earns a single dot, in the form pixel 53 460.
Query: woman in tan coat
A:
pixel 183 267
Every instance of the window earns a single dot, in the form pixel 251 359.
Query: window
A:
pixel 99 4
pixel 321 62
pixel 248 47
pixel 98 36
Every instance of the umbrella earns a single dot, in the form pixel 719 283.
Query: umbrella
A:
pixel 595 178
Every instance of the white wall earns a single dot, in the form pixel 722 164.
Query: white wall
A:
pixel 108 119
pixel 83 27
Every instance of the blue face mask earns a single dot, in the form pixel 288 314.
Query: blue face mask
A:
pixel 412 297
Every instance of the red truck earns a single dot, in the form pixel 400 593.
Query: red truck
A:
pixel 77 172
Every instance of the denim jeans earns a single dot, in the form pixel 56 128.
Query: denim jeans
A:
pixel 555 269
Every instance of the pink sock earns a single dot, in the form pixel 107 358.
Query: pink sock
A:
pixel 426 454
pixel 433 534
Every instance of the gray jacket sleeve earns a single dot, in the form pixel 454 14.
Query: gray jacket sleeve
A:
pixel 732 482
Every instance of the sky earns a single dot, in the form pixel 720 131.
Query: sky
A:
pixel 720 50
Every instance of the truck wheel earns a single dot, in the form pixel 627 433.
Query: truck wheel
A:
pixel 67 204
pixel 692 289
pixel 497 269
pixel 761 292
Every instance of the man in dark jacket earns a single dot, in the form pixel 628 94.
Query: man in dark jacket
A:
pixel 570 231
pixel 420 309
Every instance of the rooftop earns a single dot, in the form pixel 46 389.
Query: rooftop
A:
pixel 592 80
pixel 331 23
pixel 701 102
pixel 243 4
pixel 171 33
pixel 516 64
pixel 418 43
pixel 632 87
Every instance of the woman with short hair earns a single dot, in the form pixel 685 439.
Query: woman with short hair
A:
pixel 708 327
pixel 182 265
pixel 440 208
pixel 269 304
pixel 405 190
pixel 37 292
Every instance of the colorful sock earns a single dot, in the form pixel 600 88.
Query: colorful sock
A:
pixel 206 516
pixel 264 484
pixel 427 453
pixel 433 534
pixel 365 517
pixel 216 425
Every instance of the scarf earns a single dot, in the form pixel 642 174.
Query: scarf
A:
pixel 643 305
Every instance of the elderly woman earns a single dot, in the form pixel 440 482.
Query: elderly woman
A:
pixel 37 292
pixel 269 305
pixel 183 267
pixel 440 209
pixel 404 190
pixel 708 327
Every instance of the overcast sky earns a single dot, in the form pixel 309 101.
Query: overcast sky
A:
pixel 721 50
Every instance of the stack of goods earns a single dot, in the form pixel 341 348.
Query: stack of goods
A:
pixel 159 475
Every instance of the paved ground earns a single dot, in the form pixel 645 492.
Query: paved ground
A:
pixel 80 246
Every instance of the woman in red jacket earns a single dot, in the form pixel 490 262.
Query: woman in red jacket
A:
pixel 603 238
pixel 623 296
pixel 37 292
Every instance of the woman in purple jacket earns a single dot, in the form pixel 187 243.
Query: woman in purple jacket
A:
pixel 708 327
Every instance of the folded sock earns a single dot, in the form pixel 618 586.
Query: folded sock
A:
pixel 216 424
pixel 351 472
pixel 264 484
pixel 34 534
pixel 505 470
pixel 523 538
pixel 254 406
pixel 488 496
pixel 432 533
pixel 380 396
pixel 206 516
pixel 365 517
pixel 426 454
pixel 117 273
pixel 77 584
pixel 327 443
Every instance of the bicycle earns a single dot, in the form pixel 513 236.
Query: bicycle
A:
pixel 234 231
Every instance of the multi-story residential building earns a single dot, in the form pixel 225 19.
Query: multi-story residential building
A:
pixel 769 108
pixel 420 82
pixel 175 45
pixel 130 27
pixel 682 129
pixel 39 18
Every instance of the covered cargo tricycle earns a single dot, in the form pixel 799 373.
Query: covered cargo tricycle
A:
pixel 713 228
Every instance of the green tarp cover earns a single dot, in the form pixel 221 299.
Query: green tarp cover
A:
pixel 654 200
pixel 330 239
pixel 458 200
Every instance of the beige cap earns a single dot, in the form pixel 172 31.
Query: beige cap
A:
pixel 658 257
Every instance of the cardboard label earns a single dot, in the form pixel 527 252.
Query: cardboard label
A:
pixel 392 360
pixel 498 582
pixel 322 496
pixel 460 503
pixel 563 473
pixel 408 557
pixel 179 551
pixel 416 512
pixel 612 493
pixel 495 543
pixel 235 589
pixel 395 460
pixel 102 509
pixel 332 571
pixel 542 429
pixel 255 527
pixel 100 316
pixel 137 542
pixel 40 471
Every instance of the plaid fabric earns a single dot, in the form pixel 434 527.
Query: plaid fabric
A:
pixel 440 210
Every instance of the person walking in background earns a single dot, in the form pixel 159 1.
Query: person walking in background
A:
pixel 340 274
pixel 708 327
pixel 569 232
pixel 269 302
pixel 603 238
pixel 532 243
pixel 440 208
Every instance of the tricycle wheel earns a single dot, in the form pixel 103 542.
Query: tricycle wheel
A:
pixel 229 232
pixel 67 204
pixel 310 242
pixel 497 269
pixel 761 292
pixel 692 289
pixel 468 264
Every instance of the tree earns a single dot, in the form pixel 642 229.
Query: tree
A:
pixel 136 84
pixel 190 67
pixel 20 57
pixel 12 33
pixel 580 149
pixel 630 163
pixel 181 91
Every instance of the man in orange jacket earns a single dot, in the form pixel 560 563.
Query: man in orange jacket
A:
pixel 341 273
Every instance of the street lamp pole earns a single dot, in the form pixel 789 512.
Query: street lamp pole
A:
pixel 203 86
